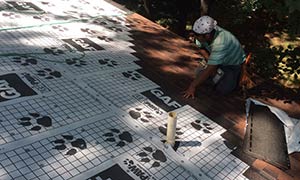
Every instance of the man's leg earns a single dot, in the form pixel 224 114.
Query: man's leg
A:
pixel 229 80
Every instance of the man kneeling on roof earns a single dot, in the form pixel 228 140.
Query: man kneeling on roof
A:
pixel 223 55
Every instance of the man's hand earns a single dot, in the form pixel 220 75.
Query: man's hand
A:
pixel 190 92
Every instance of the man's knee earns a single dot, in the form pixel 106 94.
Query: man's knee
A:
pixel 228 83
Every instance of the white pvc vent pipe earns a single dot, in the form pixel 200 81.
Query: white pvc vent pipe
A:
pixel 171 128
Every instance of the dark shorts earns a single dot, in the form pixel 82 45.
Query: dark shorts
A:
pixel 229 80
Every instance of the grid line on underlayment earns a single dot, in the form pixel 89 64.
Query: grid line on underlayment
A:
pixel 34 46
pixel 217 162
pixel 12 130
pixel 115 24
pixel 13 19
pixel 36 38
pixel 39 38
pixel 97 27
pixel 101 62
pixel 92 29
pixel 54 12
pixel 117 88
pixel 126 103
pixel 76 62
pixel 83 9
pixel 48 158
pixel 192 129
pixel 65 104
pixel 12 40
pixel 198 123
pixel 23 60
pixel 102 153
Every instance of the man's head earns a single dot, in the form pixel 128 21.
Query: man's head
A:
pixel 204 28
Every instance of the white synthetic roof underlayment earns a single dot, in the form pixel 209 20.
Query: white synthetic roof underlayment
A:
pixel 73 106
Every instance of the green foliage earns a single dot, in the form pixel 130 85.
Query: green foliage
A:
pixel 264 63
pixel 251 20
pixel 278 62
pixel 289 62
pixel 251 5
pixel 283 10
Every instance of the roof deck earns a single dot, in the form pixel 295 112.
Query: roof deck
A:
pixel 85 92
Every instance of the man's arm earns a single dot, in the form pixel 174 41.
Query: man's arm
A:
pixel 204 53
pixel 209 71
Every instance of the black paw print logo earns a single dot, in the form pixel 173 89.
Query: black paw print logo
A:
pixel 76 62
pixel 115 22
pixel 123 137
pixel 42 18
pixel 41 121
pixel 49 73
pixel 47 4
pixel 163 130
pixel 60 28
pixel 89 31
pixel 11 15
pixel 105 38
pixel 132 75
pixel 139 114
pixel 198 125
pixel 53 50
pixel 149 155
pixel 24 60
pixel 108 62
pixel 84 2
pixel 128 162
pixel 76 144
pixel 98 8
pixel 84 15
pixel 115 29
pixel 99 22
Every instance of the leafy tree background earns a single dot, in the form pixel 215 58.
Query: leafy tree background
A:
pixel 269 29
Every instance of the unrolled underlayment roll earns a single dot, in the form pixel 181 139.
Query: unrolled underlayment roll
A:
pixel 265 136
pixel 171 129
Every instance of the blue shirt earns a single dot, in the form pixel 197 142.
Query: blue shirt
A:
pixel 225 49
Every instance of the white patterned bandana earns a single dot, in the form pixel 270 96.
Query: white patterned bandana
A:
pixel 204 25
